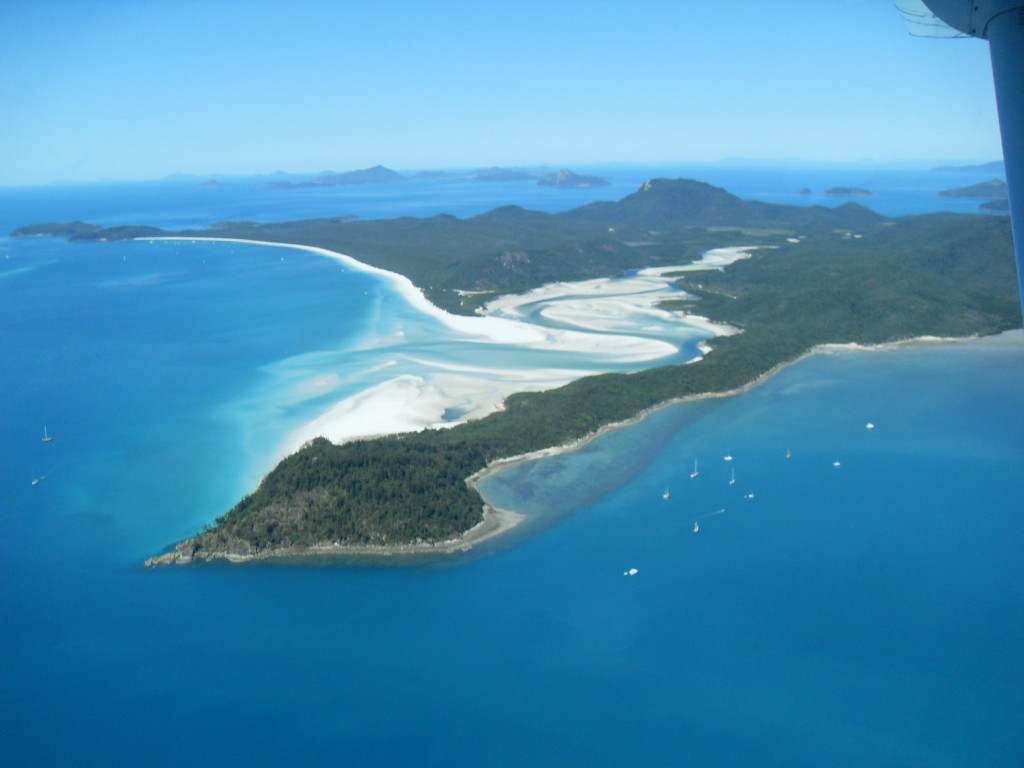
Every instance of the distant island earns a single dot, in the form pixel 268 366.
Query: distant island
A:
pixel 433 175
pixel 500 174
pixel 567 179
pixel 996 206
pixel 994 193
pixel 378 174
pixel 996 166
pixel 994 189
pixel 834 276
pixel 846 192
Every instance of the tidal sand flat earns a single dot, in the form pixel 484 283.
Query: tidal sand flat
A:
pixel 409 377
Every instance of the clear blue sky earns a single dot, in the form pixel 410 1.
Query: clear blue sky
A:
pixel 136 90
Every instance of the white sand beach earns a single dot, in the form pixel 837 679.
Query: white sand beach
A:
pixel 606 317
pixel 615 321
pixel 716 258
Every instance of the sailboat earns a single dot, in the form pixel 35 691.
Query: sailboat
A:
pixel 696 527
pixel 46 436
pixel 35 480
pixel 695 472
pixel 732 477
pixel 789 454
pixel 665 494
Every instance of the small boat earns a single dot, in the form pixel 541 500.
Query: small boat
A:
pixel 732 477
pixel 695 472
pixel 665 494
pixel 789 454
pixel 35 481
pixel 835 463
pixel 46 436
pixel 869 425
pixel 630 572
pixel 696 527
pixel 727 457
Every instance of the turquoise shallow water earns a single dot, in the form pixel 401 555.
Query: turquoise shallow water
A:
pixel 866 614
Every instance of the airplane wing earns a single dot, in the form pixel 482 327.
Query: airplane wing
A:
pixel 921 22
pixel 1001 22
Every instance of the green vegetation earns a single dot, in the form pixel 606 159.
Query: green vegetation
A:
pixel 510 250
pixel 832 276
pixel 71 230
pixel 994 189
pixel 388 490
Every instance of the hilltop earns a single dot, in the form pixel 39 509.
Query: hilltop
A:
pixel 511 249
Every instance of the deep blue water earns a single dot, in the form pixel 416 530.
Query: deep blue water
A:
pixel 865 614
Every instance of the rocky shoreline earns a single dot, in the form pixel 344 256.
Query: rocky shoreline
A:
pixel 495 522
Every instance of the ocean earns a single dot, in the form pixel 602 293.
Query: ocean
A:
pixel 857 603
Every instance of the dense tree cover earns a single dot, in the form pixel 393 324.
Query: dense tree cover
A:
pixel 510 249
pixel 941 275
pixel 70 230
pixel 832 276
pixel 378 492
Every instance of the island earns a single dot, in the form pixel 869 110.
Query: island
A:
pixel 996 206
pixel 996 166
pixel 994 189
pixel 501 174
pixel 846 192
pixel 842 275
pixel 566 179
pixel 378 174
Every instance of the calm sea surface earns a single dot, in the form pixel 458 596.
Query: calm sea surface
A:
pixel 868 612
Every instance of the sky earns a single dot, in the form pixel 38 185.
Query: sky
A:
pixel 140 90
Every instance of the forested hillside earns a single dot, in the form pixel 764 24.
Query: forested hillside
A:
pixel 833 275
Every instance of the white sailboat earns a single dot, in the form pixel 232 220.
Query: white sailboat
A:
pixel 665 494
pixel 695 472
pixel 696 527
pixel 732 477
pixel 46 436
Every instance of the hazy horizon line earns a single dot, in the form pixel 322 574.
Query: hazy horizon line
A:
pixel 739 162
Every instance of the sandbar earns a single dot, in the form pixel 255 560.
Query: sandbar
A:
pixel 598 325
